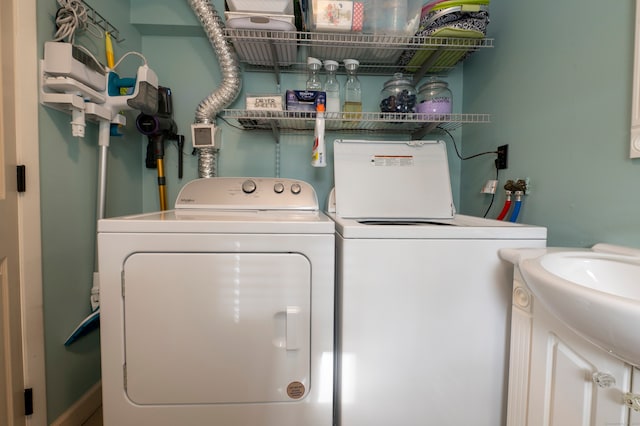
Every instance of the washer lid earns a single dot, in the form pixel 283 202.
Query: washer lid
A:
pixel 392 180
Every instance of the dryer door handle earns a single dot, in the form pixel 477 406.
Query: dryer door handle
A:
pixel 293 323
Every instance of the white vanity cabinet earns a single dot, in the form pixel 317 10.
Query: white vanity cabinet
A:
pixel 556 378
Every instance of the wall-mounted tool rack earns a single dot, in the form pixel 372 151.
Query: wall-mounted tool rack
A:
pixel 101 22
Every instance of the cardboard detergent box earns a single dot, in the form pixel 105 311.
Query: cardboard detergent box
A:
pixel 264 102
pixel 304 100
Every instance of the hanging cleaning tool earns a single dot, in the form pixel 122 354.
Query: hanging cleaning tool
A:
pixel 180 143
pixel 137 93
pixel 108 48
pixel 318 157
pixel 141 91
pixel 74 81
pixel 141 95
pixel 158 128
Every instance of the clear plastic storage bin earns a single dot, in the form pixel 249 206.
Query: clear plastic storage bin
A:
pixel 284 7
pixel 335 16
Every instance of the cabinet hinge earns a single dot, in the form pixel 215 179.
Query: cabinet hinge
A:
pixel 28 401
pixel 632 400
pixel 21 178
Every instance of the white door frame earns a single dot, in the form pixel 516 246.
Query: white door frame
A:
pixel 26 109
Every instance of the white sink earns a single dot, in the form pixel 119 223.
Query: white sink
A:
pixel 595 293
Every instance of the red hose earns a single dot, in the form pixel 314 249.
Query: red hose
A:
pixel 505 209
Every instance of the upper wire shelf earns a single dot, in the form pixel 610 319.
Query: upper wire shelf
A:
pixel 287 51
pixel 378 54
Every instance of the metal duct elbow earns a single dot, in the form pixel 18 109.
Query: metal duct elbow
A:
pixel 231 84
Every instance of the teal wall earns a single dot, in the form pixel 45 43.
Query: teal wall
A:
pixel 557 87
pixel 184 60
pixel 187 65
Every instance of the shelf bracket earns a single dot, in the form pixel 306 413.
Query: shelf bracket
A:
pixel 275 130
pixel 424 130
pixel 431 60
pixel 274 56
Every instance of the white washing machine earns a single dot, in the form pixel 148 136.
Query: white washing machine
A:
pixel 219 312
pixel 423 299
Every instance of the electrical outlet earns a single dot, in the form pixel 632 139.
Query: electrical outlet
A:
pixel 501 161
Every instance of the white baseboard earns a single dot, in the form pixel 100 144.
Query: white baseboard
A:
pixel 82 409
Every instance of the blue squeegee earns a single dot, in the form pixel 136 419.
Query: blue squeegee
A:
pixel 87 325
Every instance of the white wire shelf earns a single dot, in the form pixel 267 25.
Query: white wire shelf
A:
pixel 416 124
pixel 386 54
pixel 287 51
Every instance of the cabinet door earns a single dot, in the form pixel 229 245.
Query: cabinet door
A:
pixel 215 328
pixel 562 389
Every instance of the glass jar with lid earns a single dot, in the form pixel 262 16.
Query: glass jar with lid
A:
pixel 434 97
pixel 398 95
pixel 332 86
pixel 313 67
pixel 352 91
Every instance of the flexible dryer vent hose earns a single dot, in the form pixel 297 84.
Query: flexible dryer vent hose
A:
pixel 231 84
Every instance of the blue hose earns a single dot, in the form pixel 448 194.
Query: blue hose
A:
pixel 516 211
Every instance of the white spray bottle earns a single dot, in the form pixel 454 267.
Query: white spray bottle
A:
pixel 318 157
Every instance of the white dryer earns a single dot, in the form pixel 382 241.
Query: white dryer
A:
pixel 423 299
pixel 219 312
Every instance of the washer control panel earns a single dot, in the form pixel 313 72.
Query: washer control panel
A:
pixel 248 193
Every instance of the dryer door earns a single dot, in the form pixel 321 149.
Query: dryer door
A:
pixel 208 328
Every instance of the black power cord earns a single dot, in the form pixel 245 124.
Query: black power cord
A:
pixel 455 146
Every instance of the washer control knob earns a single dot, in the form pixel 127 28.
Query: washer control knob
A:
pixel 278 188
pixel 248 186
pixel 296 188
